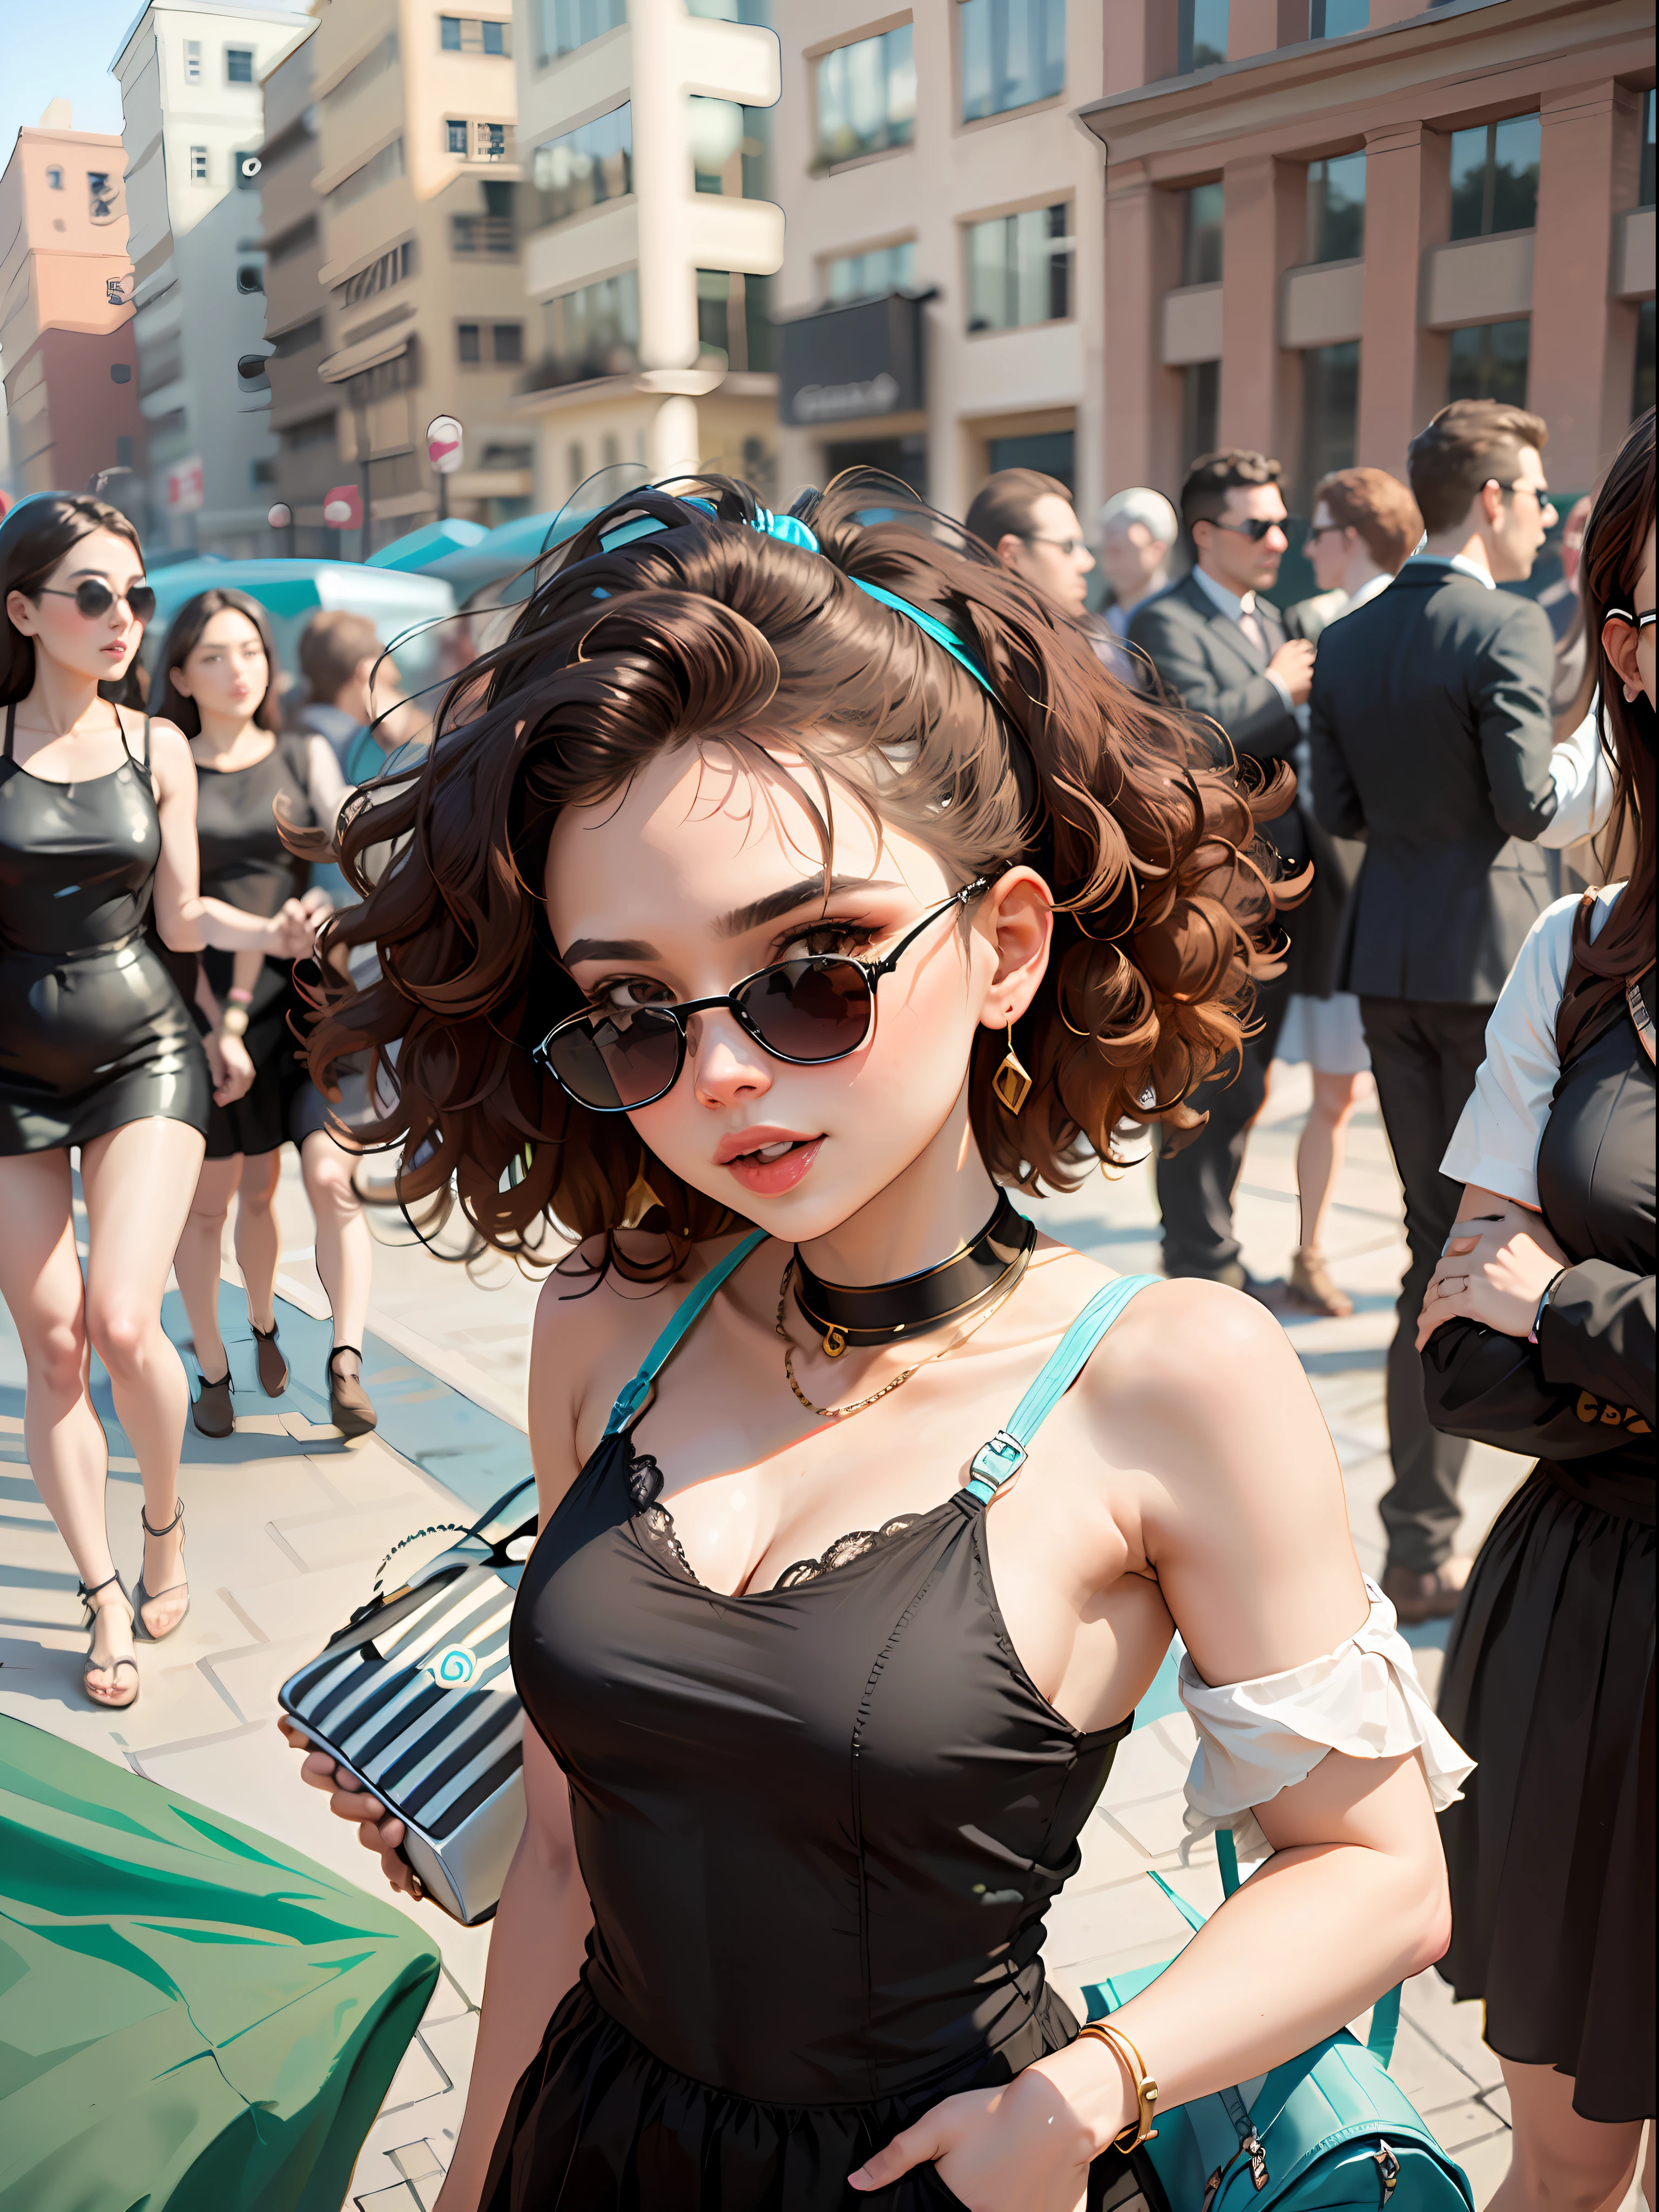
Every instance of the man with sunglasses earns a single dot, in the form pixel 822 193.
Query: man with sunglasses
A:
pixel 1431 738
pixel 1228 654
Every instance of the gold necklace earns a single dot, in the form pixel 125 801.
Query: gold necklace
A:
pixel 840 1413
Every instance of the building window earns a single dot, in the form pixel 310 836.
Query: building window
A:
pixel 593 332
pixel 54 181
pixel 1200 409
pixel 868 276
pixel 122 452
pixel 473 235
pixel 120 371
pixel 488 141
pixel 1489 362
pixel 1335 19
pixel 261 472
pixel 507 340
pixel 315 430
pixel 198 166
pixel 250 278
pixel 1051 452
pixel 564 24
pixel 469 34
pixel 378 170
pixel 1013 52
pixel 455 137
pixel 584 168
pixel 391 268
pixel 193 61
pixel 469 343
pixel 1644 182
pixel 867 97
pixel 1200 241
pixel 734 330
pixel 1336 209
pixel 1642 389
pixel 1200 34
pixel 1019 269
pixel 238 64
pixel 1494 177
pixel 1330 410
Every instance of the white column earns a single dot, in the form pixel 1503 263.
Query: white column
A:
pixel 668 297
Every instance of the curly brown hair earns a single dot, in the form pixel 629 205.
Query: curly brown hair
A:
pixel 668 623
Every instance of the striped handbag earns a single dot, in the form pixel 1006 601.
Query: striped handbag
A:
pixel 414 1696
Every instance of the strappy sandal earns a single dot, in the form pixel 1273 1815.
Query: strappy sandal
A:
pixel 89 1666
pixel 142 1597
pixel 273 1364
pixel 210 1409
pixel 348 1405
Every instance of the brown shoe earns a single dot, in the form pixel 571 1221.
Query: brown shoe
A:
pixel 1311 1285
pixel 1418 1597
pixel 273 1366
pixel 211 1411
pixel 348 1405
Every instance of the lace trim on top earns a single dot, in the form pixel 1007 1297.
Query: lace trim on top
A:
pixel 644 1485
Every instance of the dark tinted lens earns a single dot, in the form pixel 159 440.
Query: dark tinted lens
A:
pixel 810 1010
pixel 611 1063
pixel 142 599
pixel 93 598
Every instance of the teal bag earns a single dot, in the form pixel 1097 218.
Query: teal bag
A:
pixel 1324 2132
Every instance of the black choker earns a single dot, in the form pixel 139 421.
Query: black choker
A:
pixel 861 1313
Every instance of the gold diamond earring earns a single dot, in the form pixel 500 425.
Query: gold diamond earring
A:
pixel 640 1200
pixel 1013 1079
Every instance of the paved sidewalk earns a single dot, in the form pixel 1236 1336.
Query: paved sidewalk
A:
pixel 286 1524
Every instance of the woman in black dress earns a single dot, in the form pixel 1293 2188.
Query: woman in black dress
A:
pixel 1538 1335
pixel 218 665
pixel 719 930
pixel 97 815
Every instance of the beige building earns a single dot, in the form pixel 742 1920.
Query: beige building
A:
pixel 416 308
pixel 649 241
pixel 1313 242
pixel 66 345
pixel 941 294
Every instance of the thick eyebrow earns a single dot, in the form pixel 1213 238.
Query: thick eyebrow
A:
pixel 793 896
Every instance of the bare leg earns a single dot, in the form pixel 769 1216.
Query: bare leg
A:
pixel 1561 2163
pixel 40 1281
pixel 138 1182
pixel 259 1237
pixel 345 1250
pixel 1322 1148
pixel 196 1263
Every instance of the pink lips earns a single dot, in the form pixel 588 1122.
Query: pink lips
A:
pixel 740 1153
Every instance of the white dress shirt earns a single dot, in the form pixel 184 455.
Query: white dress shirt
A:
pixel 1235 607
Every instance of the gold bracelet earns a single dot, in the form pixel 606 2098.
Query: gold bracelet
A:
pixel 233 1021
pixel 1140 2128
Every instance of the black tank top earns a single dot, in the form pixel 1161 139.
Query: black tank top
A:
pixel 77 860
pixel 820 1825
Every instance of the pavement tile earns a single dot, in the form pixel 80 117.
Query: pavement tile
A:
pixel 328 1540
pixel 418 2076
pixel 1458 2127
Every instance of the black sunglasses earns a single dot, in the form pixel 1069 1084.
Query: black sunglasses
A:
pixel 1255 529
pixel 94 597
pixel 807 1012
pixel 1639 623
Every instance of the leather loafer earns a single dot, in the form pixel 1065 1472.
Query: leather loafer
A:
pixel 211 1411
pixel 1418 1597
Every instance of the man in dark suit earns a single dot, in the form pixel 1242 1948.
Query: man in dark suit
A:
pixel 1224 653
pixel 1432 738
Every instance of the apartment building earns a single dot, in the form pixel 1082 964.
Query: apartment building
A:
pixel 192 124
pixel 941 297
pixel 304 412
pixel 650 240
pixel 1324 221
pixel 418 309
pixel 66 343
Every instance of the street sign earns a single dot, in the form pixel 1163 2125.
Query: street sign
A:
pixel 185 492
pixel 342 508
pixel 443 445
pixel 280 516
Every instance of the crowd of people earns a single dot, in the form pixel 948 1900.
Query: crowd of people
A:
pixel 778 891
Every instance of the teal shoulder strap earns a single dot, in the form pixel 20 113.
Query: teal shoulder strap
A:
pixel 630 1400
pixel 999 1460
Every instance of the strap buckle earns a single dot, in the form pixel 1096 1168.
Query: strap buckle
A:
pixel 631 1402
pixel 996 1461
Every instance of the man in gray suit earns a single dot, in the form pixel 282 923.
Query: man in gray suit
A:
pixel 1224 653
pixel 1431 739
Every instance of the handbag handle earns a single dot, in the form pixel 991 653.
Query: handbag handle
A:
pixel 1385 2012
pixel 445 1527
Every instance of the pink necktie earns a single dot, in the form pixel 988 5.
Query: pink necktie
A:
pixel 1252 628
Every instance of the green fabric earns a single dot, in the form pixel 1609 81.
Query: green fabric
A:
pixel 192 2016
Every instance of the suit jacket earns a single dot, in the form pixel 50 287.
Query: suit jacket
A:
pixel 1432 738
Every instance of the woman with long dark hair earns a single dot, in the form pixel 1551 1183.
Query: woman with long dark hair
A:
pixel 218 668
pixel 97 818
pixel 1538 1335
pixel 795 886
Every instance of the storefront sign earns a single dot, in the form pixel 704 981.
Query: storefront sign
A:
pixel 185 493
pixel 848 364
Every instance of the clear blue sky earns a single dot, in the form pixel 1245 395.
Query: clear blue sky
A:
pixel 59 49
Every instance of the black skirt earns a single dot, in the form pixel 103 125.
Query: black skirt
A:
pixel 1548 1683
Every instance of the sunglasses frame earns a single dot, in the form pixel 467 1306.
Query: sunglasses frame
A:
pixel 871 970
pixel 92 584
pixel 1255 529
pixel 1639 623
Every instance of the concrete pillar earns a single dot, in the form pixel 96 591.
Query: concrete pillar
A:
pixel 1579 378
pixel 1262 26
pixel 672 444
pixel 1138 43
pixel 1402 367
pixel 668 302
pixel 1265 227
pixel 1143 397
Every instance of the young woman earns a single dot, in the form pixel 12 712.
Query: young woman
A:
pixel 1539 1330
pixel 97 817
pixel 219 667
pixel 799 883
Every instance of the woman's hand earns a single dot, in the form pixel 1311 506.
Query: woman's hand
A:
pixel 293 932
pixel 1494 1269
pixel 349 1801
pixel 231 1067
pixel 1025 2147
pixel 318 905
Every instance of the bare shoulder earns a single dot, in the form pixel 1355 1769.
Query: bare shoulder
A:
pixel 169 751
